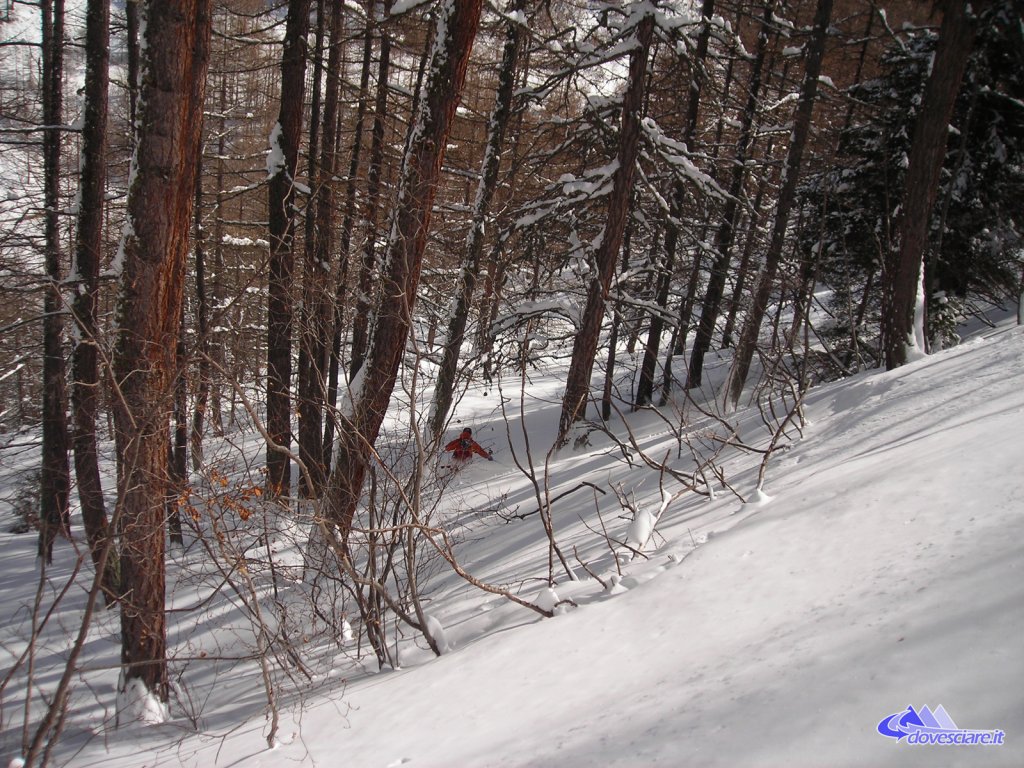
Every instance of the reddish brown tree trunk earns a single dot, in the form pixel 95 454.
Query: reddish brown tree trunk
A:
pixel 444 387
pixel 155 245
pixel 457 26
pixel 577 386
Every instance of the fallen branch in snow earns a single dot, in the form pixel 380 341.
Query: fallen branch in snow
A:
pixel 617 542
pixel 582 484
pixel 607 538
pixel 584 566
pixel 446 553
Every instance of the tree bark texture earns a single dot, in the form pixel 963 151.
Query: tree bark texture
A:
pixel 927 153
pixel 55 474
pixel 177 470
pixel 371 392
pixel 281 211
pixel 203 368
pixel 577 387
pixel 787 195
pixel 645 385
pixel 363 298
pixel 86 272
pixel 155 245
pixel 347 224
pixel 444 387
pixel 613 336
pixel 712 303
pixel 316 280
pixel 743 270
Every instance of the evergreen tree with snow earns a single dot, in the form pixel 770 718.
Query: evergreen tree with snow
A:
pixel 974 233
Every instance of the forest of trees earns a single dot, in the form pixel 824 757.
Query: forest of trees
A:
pixel 296 216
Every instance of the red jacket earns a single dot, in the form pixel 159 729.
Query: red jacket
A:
pixel 464 446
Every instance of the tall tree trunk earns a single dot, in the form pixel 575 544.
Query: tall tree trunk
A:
pixel 689 302
pixel 86 272
pixel 613 336
pixel 316 99
pixel 712 304
pixel 900 290
pixel 787 196
pixel 743 270
pixel 444 387
pixel 347 223
pixel 363 300
pixel 215 276
pixel 316 279
pixel 155 246
pixel 313 158
pixel 577 386
pixel 203 366
pixel 677 343
pixel 131 19
pixel 456 28
pixel 281 208
pixel 645 386
pixel 495 265
pixel 177 469
pixel 55 474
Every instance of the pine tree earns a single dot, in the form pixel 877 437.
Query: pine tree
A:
pixel 154 247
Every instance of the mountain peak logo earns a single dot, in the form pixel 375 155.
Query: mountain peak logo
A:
pixel 925 726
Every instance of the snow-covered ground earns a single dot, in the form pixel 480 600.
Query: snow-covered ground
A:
pixel 881 567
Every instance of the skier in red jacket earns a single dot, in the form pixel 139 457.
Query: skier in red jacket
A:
pixel 464 446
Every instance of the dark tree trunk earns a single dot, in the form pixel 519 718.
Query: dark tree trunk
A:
pixel 313 148
pixel 155 246
pixel 743 270
pixel 131 18
pixel 927 153
pixel 316 280
pixel 214 277
pixel 677 344
pixel 645 386
pixel 203 367
pixel 281 209
pixel 457 25
pixel 444 387
pixel 347 223
pixel 712 304
pixel 648 367
pixel 577 386
pixel 55 474
pixel 88 256
pixel 363 301
pixel 787 195
pixel 613 338
pixel 177 471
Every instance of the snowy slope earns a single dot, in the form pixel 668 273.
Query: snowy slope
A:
pixel 885 570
